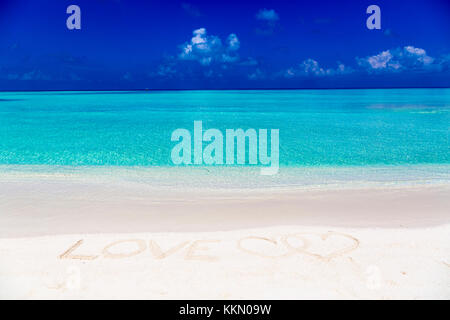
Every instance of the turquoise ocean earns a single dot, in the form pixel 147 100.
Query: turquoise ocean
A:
pixel 318 128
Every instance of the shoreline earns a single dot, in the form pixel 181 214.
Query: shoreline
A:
pixel 222 178
pixel 45 203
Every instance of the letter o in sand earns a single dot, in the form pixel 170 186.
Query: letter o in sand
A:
pixel 141 246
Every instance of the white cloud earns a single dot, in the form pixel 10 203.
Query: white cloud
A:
pixel 310 67
pixel 233 42
pixel 257 75
pixel 419 54
pixel 269 20
pixel 229 59
pixel 267 15
pixel 208 49
pixel 382 61
pixel 406 58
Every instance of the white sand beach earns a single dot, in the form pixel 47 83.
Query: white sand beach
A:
pixel 68 236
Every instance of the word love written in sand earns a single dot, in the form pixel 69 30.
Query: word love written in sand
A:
pixel 322 246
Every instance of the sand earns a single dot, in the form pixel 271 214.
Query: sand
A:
pixel 267 263
pixel 66 238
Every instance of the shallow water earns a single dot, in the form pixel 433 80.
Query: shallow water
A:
pixel 317 127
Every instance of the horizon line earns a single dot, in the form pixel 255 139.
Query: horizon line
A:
pixel 224 89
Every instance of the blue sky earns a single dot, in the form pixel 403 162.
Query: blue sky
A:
pixel 223 44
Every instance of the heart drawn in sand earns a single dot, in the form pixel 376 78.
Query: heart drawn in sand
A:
pixel 324 246
pixel 264 247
